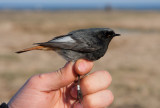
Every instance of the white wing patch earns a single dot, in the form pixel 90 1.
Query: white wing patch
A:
pixel 64 39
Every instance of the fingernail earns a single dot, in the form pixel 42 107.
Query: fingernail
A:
pixel 82 66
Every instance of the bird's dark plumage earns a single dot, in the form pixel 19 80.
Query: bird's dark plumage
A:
pixel 90 44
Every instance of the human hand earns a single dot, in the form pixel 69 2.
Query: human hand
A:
pixel 58 90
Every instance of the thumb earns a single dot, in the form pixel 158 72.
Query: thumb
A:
pixel 62 77
pixel 53 80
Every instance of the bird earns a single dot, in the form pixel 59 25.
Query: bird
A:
pixel 90 44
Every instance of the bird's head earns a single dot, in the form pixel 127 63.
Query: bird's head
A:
pixel 107 34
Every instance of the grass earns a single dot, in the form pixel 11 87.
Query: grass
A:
pixel 8 57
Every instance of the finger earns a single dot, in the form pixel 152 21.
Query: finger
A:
pixel 92 83
pixel 98 100
pixel 83 66
pixel 95 82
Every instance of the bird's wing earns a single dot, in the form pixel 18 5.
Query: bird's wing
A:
pixel 70 42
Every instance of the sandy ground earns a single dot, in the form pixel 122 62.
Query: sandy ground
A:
pixel 132 59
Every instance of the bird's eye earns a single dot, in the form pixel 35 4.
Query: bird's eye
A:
pixel 110 34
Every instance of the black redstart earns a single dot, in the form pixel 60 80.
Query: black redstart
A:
pixel 90 44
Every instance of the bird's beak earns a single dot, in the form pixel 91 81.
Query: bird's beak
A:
pixel 116 34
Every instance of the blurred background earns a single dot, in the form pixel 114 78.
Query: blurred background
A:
pixel 132 59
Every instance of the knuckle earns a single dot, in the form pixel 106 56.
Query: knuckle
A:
pixel 59 73
pixel 41 76
pixel 36 78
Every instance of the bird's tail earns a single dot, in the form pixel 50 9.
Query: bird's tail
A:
pixel 33 48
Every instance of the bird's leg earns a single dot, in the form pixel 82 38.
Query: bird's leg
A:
pixel 79 93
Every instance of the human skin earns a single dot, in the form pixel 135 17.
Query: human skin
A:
pixel 58 89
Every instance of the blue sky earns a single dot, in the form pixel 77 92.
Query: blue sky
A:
pixel 79 1
pixel 74 3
